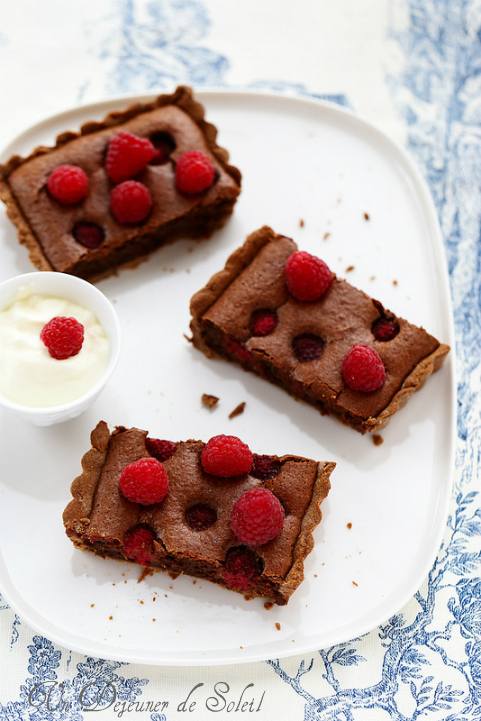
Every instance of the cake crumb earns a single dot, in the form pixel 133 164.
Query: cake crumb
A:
pixel 209 401
pixel 315 575
pixel 366 216
pixel 145 572
pixel 141 601
pixel 349 268
pixel 354 583
pixel 154 619
pixel 238 410
pixel 373 277
pixel 268 605
pixel 278 626
pixel 301 223
pixel 326 235
pixel 377 439
pixel 194 582
pixel 394 282
pixel 349 525
pixel 110 618
pixel 92 605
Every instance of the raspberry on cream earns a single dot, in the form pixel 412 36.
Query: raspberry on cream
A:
pixel 29 375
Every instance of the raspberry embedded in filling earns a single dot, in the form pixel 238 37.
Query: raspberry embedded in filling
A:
pixel 308 347
pixel 263 322
pixel 139 545
pixel 242 568
pixel 239 351
pixel 200 517
pixel 384 329
pixel 164 145
pixel 90 235
pixel 160 449
pixel 265 467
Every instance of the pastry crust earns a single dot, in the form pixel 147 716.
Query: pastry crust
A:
pixel 97 520
pixel 211 218
pixel 208 309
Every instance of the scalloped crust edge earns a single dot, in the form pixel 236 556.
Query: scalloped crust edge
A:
pixel 76 516
pixel 305 540
pixel 183 97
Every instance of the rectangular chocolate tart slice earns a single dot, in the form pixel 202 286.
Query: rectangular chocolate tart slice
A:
pixel 246 314
pixel 189 530
pixel 84 238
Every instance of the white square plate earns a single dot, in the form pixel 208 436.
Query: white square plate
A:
pixel 364 206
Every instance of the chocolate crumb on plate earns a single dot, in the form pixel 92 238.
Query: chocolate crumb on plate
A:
pixel 209 401
pixel 238 410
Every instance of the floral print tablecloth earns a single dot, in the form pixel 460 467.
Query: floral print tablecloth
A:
pixel 413 67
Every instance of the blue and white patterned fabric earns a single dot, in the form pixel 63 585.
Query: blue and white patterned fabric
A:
pixel 413 67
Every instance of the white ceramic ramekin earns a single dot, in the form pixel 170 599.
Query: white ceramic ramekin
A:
pixel 87 295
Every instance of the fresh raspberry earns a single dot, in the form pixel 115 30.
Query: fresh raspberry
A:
pixel 90 235
pixel 263 322
pixel 200 517
pixel 63 337
pixel 257 517
pixel 68 184
pixel 238 350
pixel 385 329
pixel 307 276
pixel 308 347
pixel 139 545
pixel 144 481
pixel 265 467
pixel 194 172
pixel 160 449
pixel 127 155
pixel 363 369
pixel 241 569
pixel 226 456
pixel 130 202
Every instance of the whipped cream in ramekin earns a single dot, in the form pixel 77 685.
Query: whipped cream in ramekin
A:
pixel 29 376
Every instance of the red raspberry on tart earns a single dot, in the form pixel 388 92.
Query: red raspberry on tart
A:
pixel 127 155
pixel 68 184
pixel 194 172
pixel 130 202
pixel 363 369
pixel 144 481
pixel 257 517
pixel 226 456
pixel 307 276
